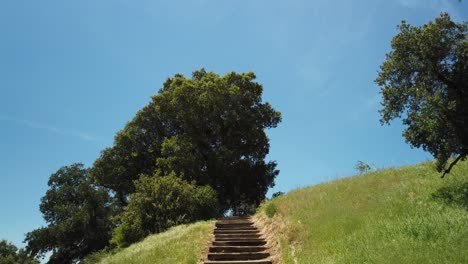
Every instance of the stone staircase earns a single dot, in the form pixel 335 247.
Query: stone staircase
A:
pixel 237 240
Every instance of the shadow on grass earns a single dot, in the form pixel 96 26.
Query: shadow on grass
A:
pixel 453 195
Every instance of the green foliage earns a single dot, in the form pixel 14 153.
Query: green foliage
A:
pixel 162 202
pixel 270 209
pixel 362 167
pixel 424 79
pixel 209 129
pixel 134 152
pixel 9 254
pixel 402 215
pixel 77 214
pixel 126 234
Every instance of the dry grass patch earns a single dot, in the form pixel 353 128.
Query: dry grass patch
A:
pixel 184 244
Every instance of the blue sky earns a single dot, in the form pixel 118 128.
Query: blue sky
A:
pixel 72 73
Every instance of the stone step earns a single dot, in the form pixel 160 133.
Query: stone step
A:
pixel 237 228
pixel 256 235
pixel 238 262
pixel 251 242
pixel 235 231
pixel 237 240
pixel 231 226
pixel 233 217
pixel 227 249
pixel 238 256
pixel 235 222
pixel 236 237
pixel 240 238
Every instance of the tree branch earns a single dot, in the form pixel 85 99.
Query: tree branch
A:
pixel 461 156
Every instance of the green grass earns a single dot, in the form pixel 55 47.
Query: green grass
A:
pixel 404 215
pixel 181 244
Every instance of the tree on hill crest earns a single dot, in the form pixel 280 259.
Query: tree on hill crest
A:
pixel 424 79
pixel 208 129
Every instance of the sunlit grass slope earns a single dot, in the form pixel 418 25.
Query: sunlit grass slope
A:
pixel 182 244
pixel 403 215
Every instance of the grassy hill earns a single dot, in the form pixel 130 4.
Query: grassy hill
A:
pixel 404 215
pixel 182 244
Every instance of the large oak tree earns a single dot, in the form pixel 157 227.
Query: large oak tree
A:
pixel 424 79
pixel 209 129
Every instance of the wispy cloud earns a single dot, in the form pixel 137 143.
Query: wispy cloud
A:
pixel 52 129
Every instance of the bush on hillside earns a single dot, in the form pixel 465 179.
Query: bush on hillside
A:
pixel 162 202
pixel 453 195
pixel 277 194
pixel 270 210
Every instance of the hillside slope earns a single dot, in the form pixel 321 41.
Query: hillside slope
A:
pixel 403 215
pixel 183 244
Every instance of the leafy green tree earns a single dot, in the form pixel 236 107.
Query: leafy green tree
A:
pixel 134 152
pixel 208 129
pixel 220 140
pixel 78 216
pixel 9 254
pixel 162 202
pixel 424 79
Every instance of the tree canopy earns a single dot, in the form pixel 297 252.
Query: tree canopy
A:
pixel 9 254
pixel 424 79
pixel 77 214
pixel 134 152
pixel 208 129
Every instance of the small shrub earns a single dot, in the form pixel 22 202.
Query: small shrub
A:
pixel 127 233
pixel 362 167
pixel 160 203
pixel 453 195
pixel 277 194
pixel 270 210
